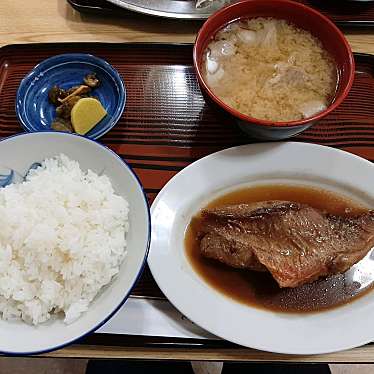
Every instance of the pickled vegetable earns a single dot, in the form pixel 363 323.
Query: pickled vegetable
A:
pixel 86 114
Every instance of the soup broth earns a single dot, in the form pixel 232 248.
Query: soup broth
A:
pixel 260 289
pixel 269 69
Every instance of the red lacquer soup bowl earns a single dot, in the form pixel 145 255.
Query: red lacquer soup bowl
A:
pixel 303 17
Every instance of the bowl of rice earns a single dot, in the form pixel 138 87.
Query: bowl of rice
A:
pixel 274 66
pixel 75 233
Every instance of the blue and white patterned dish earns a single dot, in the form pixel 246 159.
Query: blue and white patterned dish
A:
pixel 22 152
pixel 9 176
pixel 36 113
pixel 6 176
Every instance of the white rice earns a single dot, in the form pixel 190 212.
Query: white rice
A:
pixel 62 238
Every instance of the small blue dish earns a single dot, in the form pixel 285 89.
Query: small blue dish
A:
pixel 36 113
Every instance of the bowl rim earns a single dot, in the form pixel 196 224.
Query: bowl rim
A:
pixel 144 261
pixel 248 120
pixel 83 58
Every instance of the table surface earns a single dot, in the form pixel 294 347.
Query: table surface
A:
pixel 36 21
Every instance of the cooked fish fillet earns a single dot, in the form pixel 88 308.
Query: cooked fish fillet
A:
pixel 296 243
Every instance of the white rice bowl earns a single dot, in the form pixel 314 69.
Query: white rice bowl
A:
pixel 81 271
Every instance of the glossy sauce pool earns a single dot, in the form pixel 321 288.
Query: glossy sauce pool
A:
pixel 260 289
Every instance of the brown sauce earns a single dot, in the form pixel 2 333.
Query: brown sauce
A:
pixel 260 289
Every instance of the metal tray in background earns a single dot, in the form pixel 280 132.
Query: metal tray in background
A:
pixel 175 9
pixel 184 9
pixel 345 13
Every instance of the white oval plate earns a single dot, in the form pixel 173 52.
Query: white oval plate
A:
pixel 294 163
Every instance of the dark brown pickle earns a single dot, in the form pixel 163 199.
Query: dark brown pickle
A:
pixel 56 94
pixel 61 124
pixel 64 101
pixel 91 80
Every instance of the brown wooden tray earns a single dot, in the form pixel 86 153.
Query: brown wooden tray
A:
pixel 344 13
pixel 166 123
